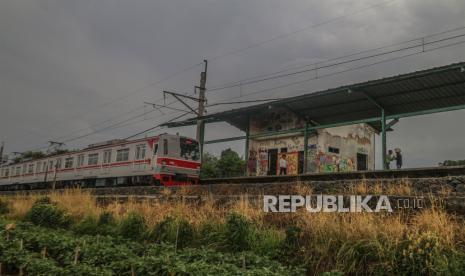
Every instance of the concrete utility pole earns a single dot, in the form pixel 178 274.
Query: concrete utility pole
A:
pixel 201 109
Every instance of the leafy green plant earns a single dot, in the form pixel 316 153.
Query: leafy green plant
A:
pixel 4 209
pixel 133 227
pixel 173 230
pixel 238 232
pixel 48 214
pixel 88 226
pixel 422 254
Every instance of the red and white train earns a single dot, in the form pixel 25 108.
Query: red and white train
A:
pixel 160 160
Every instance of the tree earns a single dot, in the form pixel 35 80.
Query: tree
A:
pixel 209 166
pixel 29 155
pixel 230 164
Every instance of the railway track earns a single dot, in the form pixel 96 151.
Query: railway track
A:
pixel 433 172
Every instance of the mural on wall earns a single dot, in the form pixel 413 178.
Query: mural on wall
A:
pixel 350 140
pixel 252 163
pixel 262 162
pixel 292 163
pixel 276 119
pixel 333 163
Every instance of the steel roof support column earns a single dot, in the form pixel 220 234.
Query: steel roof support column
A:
pixel 383 138
pixel 246 154
pixel 305 148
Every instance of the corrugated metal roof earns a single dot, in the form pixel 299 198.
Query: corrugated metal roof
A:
pixel 420 91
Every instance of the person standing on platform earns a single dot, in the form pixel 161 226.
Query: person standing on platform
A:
pixel 283 165
pixel 399 161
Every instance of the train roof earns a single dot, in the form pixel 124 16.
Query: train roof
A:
pixel 95 146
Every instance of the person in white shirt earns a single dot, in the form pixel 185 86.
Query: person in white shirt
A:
pixel 283 165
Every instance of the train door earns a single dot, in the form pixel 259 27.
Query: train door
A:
pixel 272 161
pixel 106 161
pixel 140 157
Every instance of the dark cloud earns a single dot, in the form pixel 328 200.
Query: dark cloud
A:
pixel 62 62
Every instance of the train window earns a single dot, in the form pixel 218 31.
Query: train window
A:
pixel 189 149
pixel 92 159
pixel 58 164
pixel 80 160
pixel 30 168
pixel 7 172
pixel 140 152
pixel 50 165
pixel 165 147
pixel 106 156
pixel 44 166
pixel 18 171
pixel 69 162
pixel 24 169
pixel 122 155
pixel 39 167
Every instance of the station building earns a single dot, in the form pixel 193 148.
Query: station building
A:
pixel 339 149
pixel 334 130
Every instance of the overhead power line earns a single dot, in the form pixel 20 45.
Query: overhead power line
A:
pixel 316 68
pixel 283 35
pixel 347 70
pixel 242 81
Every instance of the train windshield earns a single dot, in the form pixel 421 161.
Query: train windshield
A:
pixel 189 149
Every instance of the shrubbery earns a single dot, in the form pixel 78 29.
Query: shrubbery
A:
pixel 4 209
pixel 39 251
pixel 173 230
pixel 48 214
pixel 133 227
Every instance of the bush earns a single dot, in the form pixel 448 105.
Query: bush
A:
pixel 107 224
pixel 422 254
pixel 88 226
pixel 133 227
pixel 106 218
pixel 267 242
pixel 4 207
pixel 213 234
pixel 238 232
pixel 173 230
pixel 47 214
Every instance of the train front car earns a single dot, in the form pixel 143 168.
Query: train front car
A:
pixel 177 160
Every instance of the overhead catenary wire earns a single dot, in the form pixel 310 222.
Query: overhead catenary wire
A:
pixel 346 70
pixel 421 38
pixel 316 68
pixel 287 34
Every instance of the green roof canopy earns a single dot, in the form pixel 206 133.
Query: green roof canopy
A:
pixel 422 92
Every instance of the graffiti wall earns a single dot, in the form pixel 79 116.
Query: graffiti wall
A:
pixel 275 119
pixel 339 149
pixel 354 144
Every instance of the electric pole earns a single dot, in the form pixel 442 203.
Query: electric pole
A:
pixel 201 109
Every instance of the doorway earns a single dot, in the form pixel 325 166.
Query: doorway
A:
pixel 362 162
pixel 300 167
pixel 272 161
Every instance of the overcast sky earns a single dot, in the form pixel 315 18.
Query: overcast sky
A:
pixel 69 68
